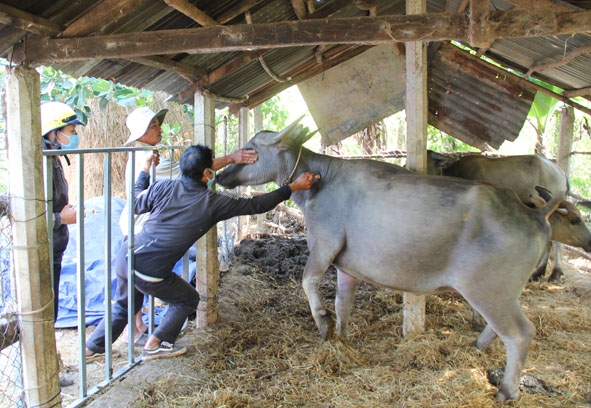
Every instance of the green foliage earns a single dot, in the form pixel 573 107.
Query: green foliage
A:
pixel 57 86
pixel 275 113
pixel 440 141
pixel 542 109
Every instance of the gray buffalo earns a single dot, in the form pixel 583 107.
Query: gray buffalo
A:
pixel 418 233
pixel 521 174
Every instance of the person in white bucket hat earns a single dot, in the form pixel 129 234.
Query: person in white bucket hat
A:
pixel 145 129
pixel 139 121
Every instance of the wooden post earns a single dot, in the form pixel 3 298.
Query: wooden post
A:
pixel 257 114
pixel 477 27
pixel 416 142
pixel 565 142
pixel 243 133
pixel 208 267
pixel 30 240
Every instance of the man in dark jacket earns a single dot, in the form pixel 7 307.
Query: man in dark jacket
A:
pixel 181 212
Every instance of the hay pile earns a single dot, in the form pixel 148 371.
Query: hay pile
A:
pixel 265 351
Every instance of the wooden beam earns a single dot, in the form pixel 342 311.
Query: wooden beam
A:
pixel 237 10
pixel 104 14
pixel 540 4
pixel 305 71
pixel 357 30
pixel 573 93
pixel 215 39
pixel 192 12
pixel 189 73
pixel 218 74
pixel 300 9
pixel 564 61
pixel 244 58
pixel 31 23
pixel 520 23
pixel 477 30
pixel 368 5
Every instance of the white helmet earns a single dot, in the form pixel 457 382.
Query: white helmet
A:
pixel 56 115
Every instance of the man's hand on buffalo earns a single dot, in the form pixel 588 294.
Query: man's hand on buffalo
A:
pixel 305 181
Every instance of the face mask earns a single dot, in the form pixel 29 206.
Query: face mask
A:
pixel 74 142
pixel 211 180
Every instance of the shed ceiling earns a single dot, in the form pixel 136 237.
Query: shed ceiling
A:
pixel 246 51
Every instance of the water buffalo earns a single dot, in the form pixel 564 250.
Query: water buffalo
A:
pixel 521 174
pixel 418 233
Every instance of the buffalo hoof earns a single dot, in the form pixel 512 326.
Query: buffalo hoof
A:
pixel 556 275
pixel 505 395
pixel 326 325
pixel 495 377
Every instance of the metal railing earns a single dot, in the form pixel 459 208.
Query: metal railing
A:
pixel 84 392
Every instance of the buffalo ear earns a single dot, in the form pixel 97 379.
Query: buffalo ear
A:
pixel 268 138
pixel 439 162
pixel 293 135
pixel 544 193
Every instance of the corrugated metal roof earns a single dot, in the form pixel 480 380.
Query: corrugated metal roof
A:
pixel 241 77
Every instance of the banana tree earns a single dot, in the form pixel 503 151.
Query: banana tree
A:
pixel 542 109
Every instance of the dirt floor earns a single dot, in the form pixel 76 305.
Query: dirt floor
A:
pixel 265 350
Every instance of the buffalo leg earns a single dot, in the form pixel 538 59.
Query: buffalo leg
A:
pixel 542 265
pixel 315 268
pixel 486 337
pixel 557 269
pixel 506 319
pixel 344 301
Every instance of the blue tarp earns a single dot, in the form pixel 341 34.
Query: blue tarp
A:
pixel 5 287
pixel 94 239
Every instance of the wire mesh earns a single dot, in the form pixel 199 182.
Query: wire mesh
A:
pixel 11 379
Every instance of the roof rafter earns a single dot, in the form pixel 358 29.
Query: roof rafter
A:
pixel 188 72
pixel 183 6
pixel 539 4
pixel 247 57
pixel 305 71
pixel 573 93
pixel 28 22
pixel 103 14
pixel 564 61
pixel 237 10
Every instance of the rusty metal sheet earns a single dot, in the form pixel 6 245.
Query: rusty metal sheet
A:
pixel 472 102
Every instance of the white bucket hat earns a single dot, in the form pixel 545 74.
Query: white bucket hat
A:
pixel 138 121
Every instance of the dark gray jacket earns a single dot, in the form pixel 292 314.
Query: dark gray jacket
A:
pixel 61 234
pixel 181 212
